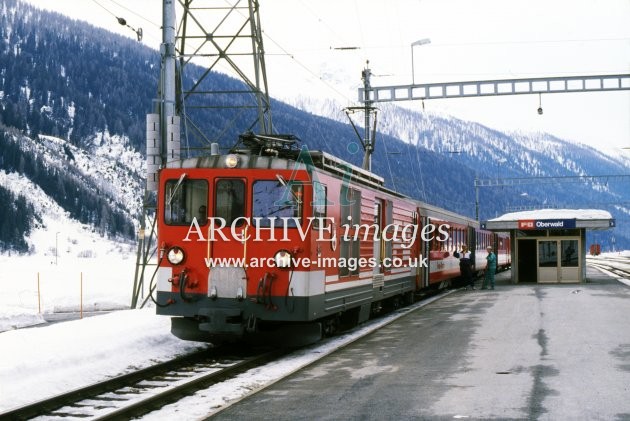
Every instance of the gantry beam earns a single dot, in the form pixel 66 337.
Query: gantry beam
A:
pixel 518 181
pixel 543 85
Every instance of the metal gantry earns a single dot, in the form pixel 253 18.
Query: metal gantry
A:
pixel 519 181
pixel 499 87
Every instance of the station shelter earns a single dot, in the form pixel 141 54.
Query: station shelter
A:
pixel 549 245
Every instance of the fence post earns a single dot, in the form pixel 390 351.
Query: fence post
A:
pixel 39 300
pixel 81 307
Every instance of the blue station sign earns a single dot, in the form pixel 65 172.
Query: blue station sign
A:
pixel 546 224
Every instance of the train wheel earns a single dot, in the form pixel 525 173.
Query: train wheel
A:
pixel 408 298
pixel 330 326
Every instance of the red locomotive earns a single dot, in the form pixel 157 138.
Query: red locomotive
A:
pixel 274 240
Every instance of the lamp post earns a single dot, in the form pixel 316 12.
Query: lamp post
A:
pixel 56 246
pixel 499 162
pixel 413 44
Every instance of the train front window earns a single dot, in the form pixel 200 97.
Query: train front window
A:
pixel 184 200
pixel 230 200
pixel 274 199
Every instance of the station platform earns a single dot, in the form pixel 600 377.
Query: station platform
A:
pixel 521 351
pixel 592 276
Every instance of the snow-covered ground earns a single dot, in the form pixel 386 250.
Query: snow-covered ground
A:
pixel 72 269
pixel 41 362
pixel 44 359
pixel 34 286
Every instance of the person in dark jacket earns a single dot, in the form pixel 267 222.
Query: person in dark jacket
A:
pixel 466 267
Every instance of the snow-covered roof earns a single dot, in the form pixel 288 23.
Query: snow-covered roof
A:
pixel 581 214
pixel 584 219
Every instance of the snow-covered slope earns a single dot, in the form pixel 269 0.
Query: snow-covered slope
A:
pixel 56 235
pixel 107 175
pixel 108 162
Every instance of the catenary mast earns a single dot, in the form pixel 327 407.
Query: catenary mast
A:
pixel 212 35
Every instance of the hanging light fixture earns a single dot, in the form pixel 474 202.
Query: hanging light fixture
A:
pixel 540 110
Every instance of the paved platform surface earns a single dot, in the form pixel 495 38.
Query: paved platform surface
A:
pixel 520 352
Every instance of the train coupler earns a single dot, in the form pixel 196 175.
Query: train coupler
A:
pixel 251 323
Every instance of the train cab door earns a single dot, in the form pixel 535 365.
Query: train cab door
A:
pixel 471 242
pixel 424 247
pixel 378 246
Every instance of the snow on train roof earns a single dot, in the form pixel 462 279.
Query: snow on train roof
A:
pixel 581 214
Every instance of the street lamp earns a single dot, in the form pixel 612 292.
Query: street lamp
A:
pixel 499 162
pixel 413 44
pixel 56 246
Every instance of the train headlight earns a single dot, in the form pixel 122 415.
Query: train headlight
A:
pixel 175 255
pixel 231 161
pixel 282 259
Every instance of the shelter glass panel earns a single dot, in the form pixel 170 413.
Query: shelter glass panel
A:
pixel 570 257
pixel 548 253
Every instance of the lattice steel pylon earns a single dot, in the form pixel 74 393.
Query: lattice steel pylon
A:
pixel 211 36
pixel 217 36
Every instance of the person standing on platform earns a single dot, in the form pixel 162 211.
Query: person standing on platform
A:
pixel 465 267
pixel 491 268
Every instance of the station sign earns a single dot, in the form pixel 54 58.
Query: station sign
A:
pixel 545 224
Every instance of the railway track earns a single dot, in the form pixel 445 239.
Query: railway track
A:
pixel 140 392
pixel 608 259
pixel 623 273
pixel 617 266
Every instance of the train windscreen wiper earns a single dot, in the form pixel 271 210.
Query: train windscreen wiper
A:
pixel 282 181
pixel 177 186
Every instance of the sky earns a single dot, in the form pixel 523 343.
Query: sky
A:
pixel 306 45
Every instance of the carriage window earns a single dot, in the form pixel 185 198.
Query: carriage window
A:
pixel 319 203
pixel 229 200
pixel 184 200
pixel 350 200
pixel 273 199
pixel 319 200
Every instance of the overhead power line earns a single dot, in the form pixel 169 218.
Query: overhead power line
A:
pixel 122 21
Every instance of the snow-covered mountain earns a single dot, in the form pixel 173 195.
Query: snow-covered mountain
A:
pixel 445 134
pixel 73 101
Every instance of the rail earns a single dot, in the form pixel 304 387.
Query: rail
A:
pixel 142 391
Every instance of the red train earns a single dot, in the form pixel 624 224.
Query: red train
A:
pixel 272 240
